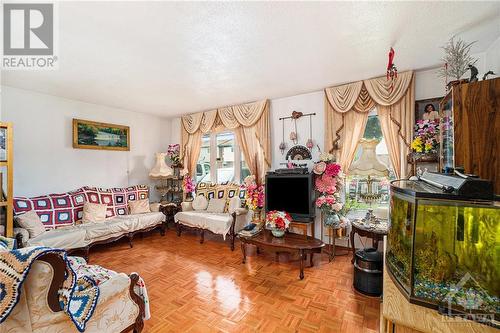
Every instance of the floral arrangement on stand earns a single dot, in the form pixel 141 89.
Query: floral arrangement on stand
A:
pixel 254 196
pixel 188 186
pixel 278 222
pixel 328 184
pixel 174 153
pixel 426 137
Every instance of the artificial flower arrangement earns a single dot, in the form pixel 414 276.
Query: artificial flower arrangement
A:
pixel 426 136
pixel 188 184
pixel 278 222
pixel 328 184
pixel 254 195
pixel 174 152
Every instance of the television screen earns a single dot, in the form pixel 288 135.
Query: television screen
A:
pixel 291 194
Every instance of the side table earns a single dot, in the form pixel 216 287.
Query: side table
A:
pixel 375 231
pixel 169 210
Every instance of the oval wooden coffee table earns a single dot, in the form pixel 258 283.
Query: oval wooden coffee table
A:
pixel 289 243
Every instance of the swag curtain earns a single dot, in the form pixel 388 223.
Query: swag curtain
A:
pixel 346 113
pixel 250 123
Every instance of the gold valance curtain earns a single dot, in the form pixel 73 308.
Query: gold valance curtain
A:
pixel 250 123
pixel 346 112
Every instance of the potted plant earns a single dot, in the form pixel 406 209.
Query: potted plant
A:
pixel 189 187
pixel 278 222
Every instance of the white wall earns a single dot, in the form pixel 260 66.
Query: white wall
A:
pixel 46 162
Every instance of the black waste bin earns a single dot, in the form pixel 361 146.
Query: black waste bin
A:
pixel 368 266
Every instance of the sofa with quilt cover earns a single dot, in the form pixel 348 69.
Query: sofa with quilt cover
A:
pixel 61 216
pixel 50 292
pixel 204 215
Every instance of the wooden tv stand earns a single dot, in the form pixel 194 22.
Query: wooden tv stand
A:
pixel 303 226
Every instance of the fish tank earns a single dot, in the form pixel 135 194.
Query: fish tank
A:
pixel 443 251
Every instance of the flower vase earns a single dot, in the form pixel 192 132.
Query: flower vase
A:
pixel 331 220
pixel 257 216
pixel 189 197
pixel 278 232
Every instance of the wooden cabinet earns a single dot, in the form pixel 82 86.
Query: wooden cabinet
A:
pixel 6 177
pixel 470 130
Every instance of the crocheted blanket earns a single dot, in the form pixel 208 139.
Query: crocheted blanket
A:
pixel 78 295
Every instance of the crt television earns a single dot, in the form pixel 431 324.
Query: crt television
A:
pixel 292 193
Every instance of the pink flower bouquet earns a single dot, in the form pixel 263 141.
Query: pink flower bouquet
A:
pixel 328 184
pixel 254 196
pixel 173 153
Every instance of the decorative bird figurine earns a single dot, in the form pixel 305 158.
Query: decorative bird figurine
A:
pixel 485 76
pixel 473 73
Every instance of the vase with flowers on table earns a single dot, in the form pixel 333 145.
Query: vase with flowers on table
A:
pixel 254 198
pixel 278 222
pixel 329 179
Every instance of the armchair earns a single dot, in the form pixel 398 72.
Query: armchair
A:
pixel 119 308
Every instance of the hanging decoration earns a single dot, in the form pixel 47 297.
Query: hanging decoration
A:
pixel 293 135
pixel 283 143
pixel 392 71
pixel 298 152
pixel 310 142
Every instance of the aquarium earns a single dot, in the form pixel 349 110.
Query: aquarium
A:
pixel 443 251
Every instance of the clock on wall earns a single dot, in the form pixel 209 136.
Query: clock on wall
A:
pixel 298 152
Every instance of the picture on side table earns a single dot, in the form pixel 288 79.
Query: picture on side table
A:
pixel 427 109
pixel 94 135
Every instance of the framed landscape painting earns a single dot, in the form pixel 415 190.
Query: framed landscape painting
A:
pixel 94 135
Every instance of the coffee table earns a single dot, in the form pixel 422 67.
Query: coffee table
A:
pixel 288 243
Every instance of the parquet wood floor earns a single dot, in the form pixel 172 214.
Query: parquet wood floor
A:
pixel 204 288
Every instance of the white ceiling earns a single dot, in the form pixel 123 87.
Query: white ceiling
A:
pixel 170 58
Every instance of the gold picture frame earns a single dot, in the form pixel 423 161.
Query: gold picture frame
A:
pixel 102 136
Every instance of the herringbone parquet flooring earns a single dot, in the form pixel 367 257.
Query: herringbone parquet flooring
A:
pixel 204 288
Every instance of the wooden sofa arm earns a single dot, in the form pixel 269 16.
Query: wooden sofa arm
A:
pixel 59 267
pixel 139 321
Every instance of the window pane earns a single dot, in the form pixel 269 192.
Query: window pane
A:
pixel 225 157
pixel 203 166
pixel 373 192
pixel 245 171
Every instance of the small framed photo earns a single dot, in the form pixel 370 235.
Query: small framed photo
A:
pixel 3 144
pixel 427 109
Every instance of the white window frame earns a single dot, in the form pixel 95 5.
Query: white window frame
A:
pixel 213 157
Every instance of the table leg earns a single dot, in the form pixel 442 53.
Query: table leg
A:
pixel 311 259
pixel 243 252
pixel 353 248
pixel 301 254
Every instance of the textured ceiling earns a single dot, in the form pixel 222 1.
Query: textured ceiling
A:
pixel 169 58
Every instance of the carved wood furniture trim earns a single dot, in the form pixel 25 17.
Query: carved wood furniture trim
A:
pixel 232 234
pixel 289 243
pixel 59 268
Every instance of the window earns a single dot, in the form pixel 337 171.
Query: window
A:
pixel 370 192
pixel 221 159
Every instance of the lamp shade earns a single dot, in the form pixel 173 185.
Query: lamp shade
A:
pixel 161 169
pixel 368 163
